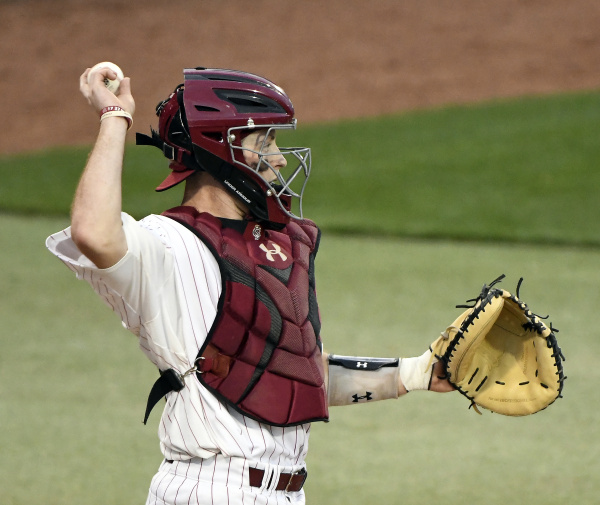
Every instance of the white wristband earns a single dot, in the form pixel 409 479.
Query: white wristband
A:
pixel 116 111
pixel 416 373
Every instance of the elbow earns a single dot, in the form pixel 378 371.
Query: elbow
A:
pixel 86 238
pixel 79 235
pixel 103 248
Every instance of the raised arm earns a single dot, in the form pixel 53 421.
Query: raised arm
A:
pixel 96 225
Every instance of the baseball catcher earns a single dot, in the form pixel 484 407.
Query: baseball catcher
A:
pixel 221 293
pixel 501 356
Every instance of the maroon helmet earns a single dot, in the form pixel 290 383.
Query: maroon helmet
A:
pixel 202 125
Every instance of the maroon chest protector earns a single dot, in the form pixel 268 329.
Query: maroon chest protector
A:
pixel 262 354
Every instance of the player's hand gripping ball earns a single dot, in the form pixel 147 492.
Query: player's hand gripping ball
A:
pixel 111 84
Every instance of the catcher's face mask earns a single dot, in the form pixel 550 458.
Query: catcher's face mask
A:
pixel 283 170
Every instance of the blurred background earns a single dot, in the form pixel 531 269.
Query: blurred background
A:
pixel 335 59
pixel 453 141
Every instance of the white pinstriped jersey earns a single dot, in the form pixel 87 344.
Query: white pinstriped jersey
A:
pixel 165 290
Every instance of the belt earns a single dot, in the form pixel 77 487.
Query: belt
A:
pixel 287 481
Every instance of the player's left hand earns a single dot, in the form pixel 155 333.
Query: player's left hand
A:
pixel 439 383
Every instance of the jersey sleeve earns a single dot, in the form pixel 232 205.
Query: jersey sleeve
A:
pixel 133 287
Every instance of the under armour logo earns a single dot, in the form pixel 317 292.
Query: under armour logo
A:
pixel 366 397
pixel 361 364
pixel 270 252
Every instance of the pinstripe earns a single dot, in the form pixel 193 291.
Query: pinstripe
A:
pixel 189 419
pixel 248 435
pixel 196 282
pixel 145 336
pixel 184 281
pixel 264 442
pixel 193 491
pixel 181 484
pixel 233 439
pixel 212 484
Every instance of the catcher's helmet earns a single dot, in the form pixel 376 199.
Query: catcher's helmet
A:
pixel 202 125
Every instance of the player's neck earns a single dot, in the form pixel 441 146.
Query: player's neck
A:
pixel 205 194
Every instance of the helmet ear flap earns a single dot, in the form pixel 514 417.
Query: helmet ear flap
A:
pixel 183 117
pixel 173 139
pixel 177 131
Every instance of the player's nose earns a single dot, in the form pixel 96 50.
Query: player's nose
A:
pixel 277 160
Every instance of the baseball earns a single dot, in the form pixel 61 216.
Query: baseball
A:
pixel 111 84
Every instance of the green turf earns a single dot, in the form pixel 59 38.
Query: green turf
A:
pixel 73 383
pixel 520 170
pixel 44 182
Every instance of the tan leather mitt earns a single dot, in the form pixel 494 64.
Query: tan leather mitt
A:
pixel 502 356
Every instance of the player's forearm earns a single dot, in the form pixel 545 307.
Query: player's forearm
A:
pixel 353 380
pixel 96 212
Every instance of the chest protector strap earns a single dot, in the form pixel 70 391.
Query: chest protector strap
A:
pixel 262 355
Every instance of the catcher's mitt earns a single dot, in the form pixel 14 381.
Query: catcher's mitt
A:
pixel 502 356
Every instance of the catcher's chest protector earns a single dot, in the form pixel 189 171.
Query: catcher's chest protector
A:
pixel 262 355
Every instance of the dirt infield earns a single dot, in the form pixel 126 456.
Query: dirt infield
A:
pixel 335 58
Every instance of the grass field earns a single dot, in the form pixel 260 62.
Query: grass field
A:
pixel 73 384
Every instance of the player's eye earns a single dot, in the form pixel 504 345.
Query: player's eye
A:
pixel 268 146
